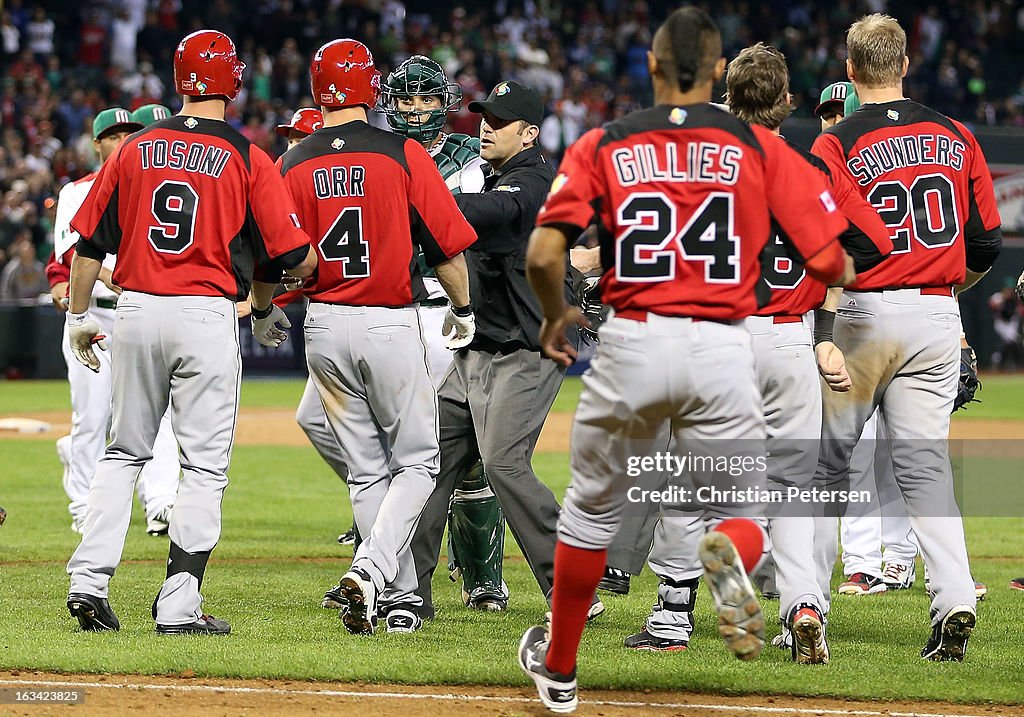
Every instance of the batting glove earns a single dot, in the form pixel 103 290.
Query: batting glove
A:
pixel 265 326
pixel 461 324
pixel 83 334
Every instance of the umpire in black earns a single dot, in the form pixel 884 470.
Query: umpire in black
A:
pixel 497 393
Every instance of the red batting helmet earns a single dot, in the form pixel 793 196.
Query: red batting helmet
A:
pixel 205 64
pixel 342 74
pixel 306 120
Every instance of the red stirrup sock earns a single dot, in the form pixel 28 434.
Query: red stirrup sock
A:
pixel 748 537
pixel 577 573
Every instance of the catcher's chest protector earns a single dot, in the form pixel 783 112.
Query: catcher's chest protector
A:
pixel 456 151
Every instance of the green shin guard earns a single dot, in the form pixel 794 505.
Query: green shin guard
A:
pixel 476 534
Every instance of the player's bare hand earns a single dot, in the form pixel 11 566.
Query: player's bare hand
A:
pixel 244 308
pixel 268 326
pixel 108 281
pixel 83 335
pixel 59 296
pixel 832 366
pixel 553 339
pixel 849 274
pixel 458 328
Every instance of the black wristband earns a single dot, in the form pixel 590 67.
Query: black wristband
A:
pixel 262 314
pixel 824 322
pixel 462 311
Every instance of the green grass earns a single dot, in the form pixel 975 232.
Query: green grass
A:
pixel 282 511
pixel 1001 396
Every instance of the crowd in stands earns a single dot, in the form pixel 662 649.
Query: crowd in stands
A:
pixel 61 63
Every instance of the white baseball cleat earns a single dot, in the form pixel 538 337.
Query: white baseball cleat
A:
pixel 897 576
pixel 740 622
pixel 360 594
pixel 557 692
pixel 808 636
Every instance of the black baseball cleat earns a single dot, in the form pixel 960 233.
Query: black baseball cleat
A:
pixel 93 613
pixel 949 636
pixel 644 640
pixel 401 619
pixel 557 692
pixel 348 537
pixel 206 625
pixel 334 599
pixel 614 581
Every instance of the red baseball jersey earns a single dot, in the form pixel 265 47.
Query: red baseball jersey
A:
pixel 369 198
pixel 682 197
pixel 927 179
pixel 190 207
pixel 866 240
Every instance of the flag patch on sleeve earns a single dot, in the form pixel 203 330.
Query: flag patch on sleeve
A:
pixel 827 201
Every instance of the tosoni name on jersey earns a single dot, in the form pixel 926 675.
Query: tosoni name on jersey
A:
pixel 892 153
pixel 178 154
pixel 672 162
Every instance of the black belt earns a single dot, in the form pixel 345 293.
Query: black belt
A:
pixel 439 301
pixel 106 303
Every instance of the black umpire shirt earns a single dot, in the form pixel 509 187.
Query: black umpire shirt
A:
pixel 508 313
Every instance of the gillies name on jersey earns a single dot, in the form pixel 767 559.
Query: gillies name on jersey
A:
pixel 891 153
pixel 704 162
pixel 178 154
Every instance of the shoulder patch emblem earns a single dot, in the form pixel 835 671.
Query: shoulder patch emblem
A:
pixel 559 182
pixel 507 188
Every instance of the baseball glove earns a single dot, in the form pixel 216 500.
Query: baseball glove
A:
pixel 969 383
pixel 588 298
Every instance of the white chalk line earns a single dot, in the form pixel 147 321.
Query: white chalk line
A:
pixel 451 697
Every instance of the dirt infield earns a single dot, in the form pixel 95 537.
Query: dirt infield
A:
pixel 134 694
pixel 276 427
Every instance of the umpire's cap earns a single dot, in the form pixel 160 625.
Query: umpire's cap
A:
pixel 510 100
pixel 114 118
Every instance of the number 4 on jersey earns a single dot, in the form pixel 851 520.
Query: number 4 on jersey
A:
pixel 344 242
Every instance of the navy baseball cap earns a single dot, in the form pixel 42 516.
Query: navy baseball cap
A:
pixel 511 101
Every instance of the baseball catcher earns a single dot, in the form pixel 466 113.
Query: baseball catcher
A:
pixel 417 98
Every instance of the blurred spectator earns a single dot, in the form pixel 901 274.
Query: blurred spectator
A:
pixel 24 276
pixel 40 34
pixel 10 35
pixel 141 87
pixel 1008 322
pixel 92 40
pixel 123 35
